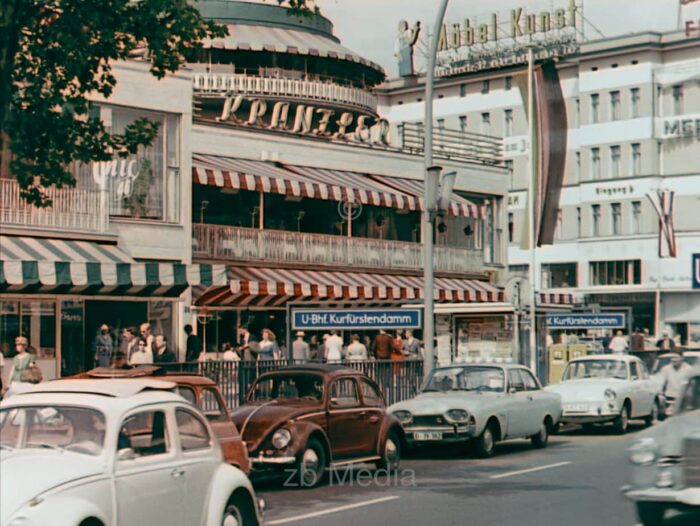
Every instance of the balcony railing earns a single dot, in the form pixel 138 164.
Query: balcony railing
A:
pixel 221 83
pixel 73 209
pixel 452 144
pixel 277 246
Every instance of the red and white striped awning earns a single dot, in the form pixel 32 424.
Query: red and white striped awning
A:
pixel 318 183
pixel 556 298
pixel 274 287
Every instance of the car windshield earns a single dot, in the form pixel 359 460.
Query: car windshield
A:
pixel 663 361
pixel 596 369
pixel 287 387
pixel 77 429
pixel 466 378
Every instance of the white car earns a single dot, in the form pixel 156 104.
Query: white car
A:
pixel 608 388
pixel 115 452
pixel 486 403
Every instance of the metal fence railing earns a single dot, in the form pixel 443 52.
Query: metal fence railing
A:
pixel 398 380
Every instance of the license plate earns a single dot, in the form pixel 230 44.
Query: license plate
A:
pixel 577 407
pixel 427 435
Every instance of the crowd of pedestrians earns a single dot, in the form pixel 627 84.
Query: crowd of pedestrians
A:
pixel 133 345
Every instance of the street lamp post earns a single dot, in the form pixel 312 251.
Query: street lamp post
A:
pixel 430 196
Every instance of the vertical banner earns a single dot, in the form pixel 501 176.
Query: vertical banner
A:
pixel 552 128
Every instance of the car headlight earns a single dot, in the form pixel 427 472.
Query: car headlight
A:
pixel 643 452
pixel 281 438
pixel 610 394
pixel 458 416
pixel 405 417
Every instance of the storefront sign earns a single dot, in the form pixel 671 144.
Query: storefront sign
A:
pixel 304 119
pixel 323 319
pixel 696 271
pixel 586 321
pixel 502 41
pixel 123 171
pixel 686 126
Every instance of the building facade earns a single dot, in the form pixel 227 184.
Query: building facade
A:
pixel 626 225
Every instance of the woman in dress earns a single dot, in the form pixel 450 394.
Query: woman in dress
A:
pixel 22 360
pixel 269 350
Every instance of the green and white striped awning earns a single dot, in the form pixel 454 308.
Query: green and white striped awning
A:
pixel 84 268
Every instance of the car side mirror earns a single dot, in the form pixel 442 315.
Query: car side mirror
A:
pixel 126 454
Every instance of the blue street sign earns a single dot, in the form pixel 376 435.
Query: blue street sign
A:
pixel 586 321
pixel 696 271
pixel 324 319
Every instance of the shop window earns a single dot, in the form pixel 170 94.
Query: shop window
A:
pixel 626 272
pixel 556 275
pixel 484 337
pixel 144 185
pixel 36 320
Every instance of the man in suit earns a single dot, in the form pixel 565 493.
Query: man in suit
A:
pixel 381 349
pixel 193 346
pixel 248 346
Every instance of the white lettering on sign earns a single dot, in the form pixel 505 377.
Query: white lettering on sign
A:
pixel 123 170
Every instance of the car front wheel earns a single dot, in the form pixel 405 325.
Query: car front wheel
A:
pixel 653 417
pixel 622 422
pixel 486 443
pixel 391 454
pixel 311 465
pixel 651 513
pixel 540 439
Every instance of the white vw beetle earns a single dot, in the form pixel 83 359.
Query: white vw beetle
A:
pixel 607 388
pixel 115 452
pixel 485 402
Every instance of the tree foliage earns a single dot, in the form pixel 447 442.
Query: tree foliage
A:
pixel 55 54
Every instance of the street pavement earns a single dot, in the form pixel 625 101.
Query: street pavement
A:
pixel 575 481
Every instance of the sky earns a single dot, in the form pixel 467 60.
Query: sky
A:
pixel 368 27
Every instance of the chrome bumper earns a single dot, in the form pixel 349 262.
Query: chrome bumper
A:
pixel 687 497
pixel 278 460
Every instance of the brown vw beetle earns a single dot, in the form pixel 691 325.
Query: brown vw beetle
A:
pixel 308 418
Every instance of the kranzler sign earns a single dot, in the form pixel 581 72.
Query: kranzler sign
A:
pixel 324 319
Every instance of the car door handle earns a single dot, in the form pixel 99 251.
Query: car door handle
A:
pixel 177 472
pixel 362 414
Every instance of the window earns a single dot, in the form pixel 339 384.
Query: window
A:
pixel 559 275
pixel 595 212
pixel 462 90
pixel 578 166
pixel 486 123
pixel 615 105
pixel 212 405
pixel 485 86
pixel 508 123
pixel 579 221
pixel 616 212
pixel 441 124
pixel 677 100
pixel 193 432
pixel 511 226
pixel 636 158
pixel 595 163
pixel 615 161
pixel 515 381
pixel 578 112
pixel 627 272
pixel 634 371
pixel 344 393
pixel 634 103
pixel 529 380
pixel 370 396
pixel 519 270
pixel 558 226
pixel 636 217
pixel 595 108
pixel 146 434
pixel 508 163
pixel 187 393
pixel 508 84
pixel 463 123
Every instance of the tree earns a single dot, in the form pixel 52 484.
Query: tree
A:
pixel 55 53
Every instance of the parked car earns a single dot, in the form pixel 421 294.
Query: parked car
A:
pixel 607 388
pixel 484 402
pixel 115 452
pixel 199 391
pixel 307 418
pixel 666 460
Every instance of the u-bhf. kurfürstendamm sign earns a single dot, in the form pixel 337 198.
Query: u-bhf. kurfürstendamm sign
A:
pixel 503 39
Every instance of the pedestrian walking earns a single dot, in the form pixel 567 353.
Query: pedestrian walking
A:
pixel 268 350
pixel 356 351
pixel 142 355
pixel 193 346
pixel 300 349
pixel 22 360
pixel 618 344
pixel 381 349
pixel 322 351
pixel 103 347
pixel 248 346
pixel 637 341
pixel 666 343
pixel 674 376
pixel 162 352
pixel 334 348
pixel 411 346
pixel 145 330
